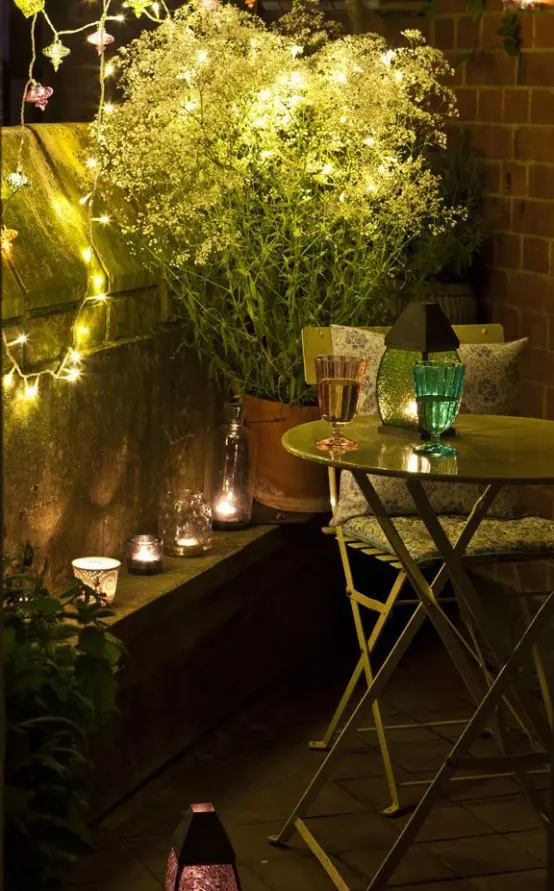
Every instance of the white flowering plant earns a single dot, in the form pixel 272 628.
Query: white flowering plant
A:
pixel 276 184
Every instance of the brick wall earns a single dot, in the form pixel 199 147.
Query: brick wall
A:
pixel 507 106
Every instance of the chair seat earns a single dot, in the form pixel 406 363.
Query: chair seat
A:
pixel 508 539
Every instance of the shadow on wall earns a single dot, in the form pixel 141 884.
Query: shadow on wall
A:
pixel 85 465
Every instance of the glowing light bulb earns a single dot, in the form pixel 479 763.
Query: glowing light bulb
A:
pixel 92 163
pixel 21 338
pixel 73 374
pixel 104 219
pixel 85 199
pixel 82 332
pixel 156 8
pixel 8 380
pixel 31 389
pixel 101 297
pixel 119 17
pixel 98 281
pixel 109 107
pixel 109 69
pixel 86 254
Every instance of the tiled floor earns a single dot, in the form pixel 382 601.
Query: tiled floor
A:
pixel 483 837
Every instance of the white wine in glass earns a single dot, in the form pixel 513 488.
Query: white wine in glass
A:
pixel 339 381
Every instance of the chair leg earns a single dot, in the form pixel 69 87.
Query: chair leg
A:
pixel 325 741
pixel 393 809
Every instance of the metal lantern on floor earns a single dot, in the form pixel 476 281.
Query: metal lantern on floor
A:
pixel 422 332
pixel 202 857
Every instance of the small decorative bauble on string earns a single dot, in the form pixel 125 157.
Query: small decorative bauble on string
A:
pixel 7 238
pixel 38 94
pixel 30 7
pixel 100 39
pixel 56 52
pixel 139 7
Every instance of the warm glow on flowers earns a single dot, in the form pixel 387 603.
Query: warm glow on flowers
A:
pixel 269 171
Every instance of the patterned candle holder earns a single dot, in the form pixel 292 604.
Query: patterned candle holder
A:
pixel 185 523
pixel 98 573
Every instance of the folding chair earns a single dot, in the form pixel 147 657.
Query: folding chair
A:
pixel 364 536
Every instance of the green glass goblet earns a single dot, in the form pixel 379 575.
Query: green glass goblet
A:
pixel 438 390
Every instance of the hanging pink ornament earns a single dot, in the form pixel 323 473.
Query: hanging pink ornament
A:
pixel 38 95
pixel 100 39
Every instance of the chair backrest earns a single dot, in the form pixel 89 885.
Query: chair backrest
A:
pixel 317 341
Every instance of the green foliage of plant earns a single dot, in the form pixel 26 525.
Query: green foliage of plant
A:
pixel 60 667
pixel 451 257
pixel 277 186
pixel 510 31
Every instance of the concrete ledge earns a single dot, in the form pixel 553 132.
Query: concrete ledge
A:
pixel 205 636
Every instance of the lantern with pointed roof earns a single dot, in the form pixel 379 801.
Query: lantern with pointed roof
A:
pixel 202 857
pixel 422 332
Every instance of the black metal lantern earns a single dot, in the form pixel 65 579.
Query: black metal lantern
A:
pixel 421 332
pixel 202 857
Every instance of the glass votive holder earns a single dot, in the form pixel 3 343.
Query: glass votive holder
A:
pixel 98 573
pixel 185 523
pixel 144 554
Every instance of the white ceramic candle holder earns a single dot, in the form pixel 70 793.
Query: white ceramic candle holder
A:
pixel 98 573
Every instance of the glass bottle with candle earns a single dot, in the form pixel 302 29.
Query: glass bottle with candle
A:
pixel 230 466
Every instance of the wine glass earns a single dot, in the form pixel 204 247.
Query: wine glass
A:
pixel 438 389
pixel 339 381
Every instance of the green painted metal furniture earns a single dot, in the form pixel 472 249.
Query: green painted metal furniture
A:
pixel 492 451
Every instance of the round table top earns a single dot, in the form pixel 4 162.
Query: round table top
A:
pixel 490 448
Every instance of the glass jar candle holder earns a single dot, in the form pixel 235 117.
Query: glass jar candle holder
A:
pixel 230 466
pixel 144 555
pixel 185 525
pixel 98 573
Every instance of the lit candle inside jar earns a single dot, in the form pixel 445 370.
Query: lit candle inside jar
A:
pixel 144 555
pixel 187 542
pixel 224 507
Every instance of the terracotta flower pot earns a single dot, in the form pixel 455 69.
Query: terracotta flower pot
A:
pixel 283 481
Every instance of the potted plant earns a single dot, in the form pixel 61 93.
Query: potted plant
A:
pixel 276 179
pixel 447 264
pixel 60 664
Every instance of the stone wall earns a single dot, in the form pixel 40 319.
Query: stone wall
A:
pixel 86 462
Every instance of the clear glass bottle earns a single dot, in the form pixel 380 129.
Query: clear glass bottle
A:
pixel 185 523
pixel 230 466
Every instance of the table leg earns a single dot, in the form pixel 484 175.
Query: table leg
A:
pixel 412 627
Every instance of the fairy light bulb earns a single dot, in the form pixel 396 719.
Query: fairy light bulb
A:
pixel 109 107
pixel 18 341
pixel 31 389
pixel 73 374
pixel 100 40
pixel 56 52
pixel 104 219
pixel 8 380
pixel 109 69
pixel 86 254
pixel 98 281
pixel 156 8
pixel 74 355
pixel 92 163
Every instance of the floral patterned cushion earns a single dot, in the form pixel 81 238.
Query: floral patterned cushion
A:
pixel 528 535
pixel 490 387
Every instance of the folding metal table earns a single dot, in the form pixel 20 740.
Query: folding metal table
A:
pixel 491 451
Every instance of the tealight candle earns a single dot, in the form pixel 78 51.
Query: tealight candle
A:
pixel 98 573
pixel 144 555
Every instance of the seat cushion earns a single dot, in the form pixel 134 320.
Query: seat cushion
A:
pixel 494 538
pixel 490 387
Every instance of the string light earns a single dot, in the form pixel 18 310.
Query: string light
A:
pixel 38 94
pixel 100 39
pixel 7 238
pixel 56 52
